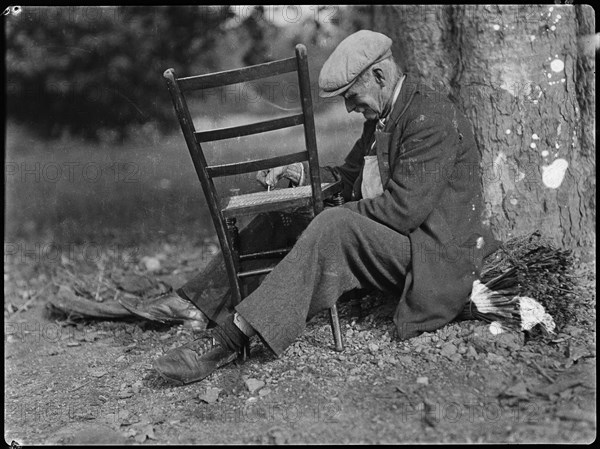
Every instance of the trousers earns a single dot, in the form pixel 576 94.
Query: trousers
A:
pixel 337 252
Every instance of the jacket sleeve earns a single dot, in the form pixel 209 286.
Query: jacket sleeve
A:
pixel 350 170
pixel 427 150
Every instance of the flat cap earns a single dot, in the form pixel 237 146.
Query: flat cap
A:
pixel 352 57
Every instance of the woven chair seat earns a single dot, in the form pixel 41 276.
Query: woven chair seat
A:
pixel 295 196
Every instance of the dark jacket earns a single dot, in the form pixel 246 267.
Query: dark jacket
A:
pixel 430 171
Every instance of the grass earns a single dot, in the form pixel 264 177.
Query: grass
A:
pixel 72 191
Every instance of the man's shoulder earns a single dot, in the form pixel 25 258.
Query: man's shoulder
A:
pixel 426 97
pixel 425 101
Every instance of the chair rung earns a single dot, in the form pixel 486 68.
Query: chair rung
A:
pixel 252 128
pixel 236 168
pixel 258 272
pixel 238 75
pixel 265 254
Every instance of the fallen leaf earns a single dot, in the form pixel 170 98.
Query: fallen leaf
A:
pixel 576 415
pixel 146 431
pixel 556 388
pixel 98 372
pixel 210 396
pixel 518 390
pixel 90 337
pixel 577 352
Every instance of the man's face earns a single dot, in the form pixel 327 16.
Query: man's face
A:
pixel 363 97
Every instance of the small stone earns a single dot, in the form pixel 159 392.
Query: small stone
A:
pixel 254 385
pixel 264 392
pixel 151 263
pixel 456 357
pixel 448 349
pixel 423 380
pixel 495 358
pixel 373 347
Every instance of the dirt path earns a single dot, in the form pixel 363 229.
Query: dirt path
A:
pixel 92 382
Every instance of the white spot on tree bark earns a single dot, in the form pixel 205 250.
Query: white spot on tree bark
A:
pixel 535 136
pixel 553 174
pixel 545 153
pixel 533 145
pixel 557 65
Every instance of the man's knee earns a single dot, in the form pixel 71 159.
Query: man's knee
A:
pixel 332 218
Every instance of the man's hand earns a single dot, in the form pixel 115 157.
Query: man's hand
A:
pixel 269 178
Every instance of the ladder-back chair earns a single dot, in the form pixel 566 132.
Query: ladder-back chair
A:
pixel 224 210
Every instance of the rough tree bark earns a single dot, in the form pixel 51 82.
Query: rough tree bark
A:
pixel 524 75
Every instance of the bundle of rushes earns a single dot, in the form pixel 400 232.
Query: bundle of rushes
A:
pixel 524 267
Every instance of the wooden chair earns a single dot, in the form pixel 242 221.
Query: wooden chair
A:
pixel 225 210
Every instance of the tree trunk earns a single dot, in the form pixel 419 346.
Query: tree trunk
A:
pixel 524 75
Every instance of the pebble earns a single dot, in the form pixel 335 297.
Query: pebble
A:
pixel 254 385
pixel 125 394
pixel 264 392
pixel 448 349
pixel 373 347
pixel 423 380
pixel 495 358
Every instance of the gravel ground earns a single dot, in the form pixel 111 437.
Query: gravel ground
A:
pixel 73 381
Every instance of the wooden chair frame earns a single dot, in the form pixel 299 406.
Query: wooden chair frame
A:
pixel 224 211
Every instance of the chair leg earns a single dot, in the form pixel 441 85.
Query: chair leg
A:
pixel 335 327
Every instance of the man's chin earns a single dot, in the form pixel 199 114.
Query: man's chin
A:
pixel 370 115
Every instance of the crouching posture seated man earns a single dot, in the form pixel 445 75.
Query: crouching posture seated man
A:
pixel 411 224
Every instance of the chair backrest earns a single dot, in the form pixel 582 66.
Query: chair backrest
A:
pixel 179 86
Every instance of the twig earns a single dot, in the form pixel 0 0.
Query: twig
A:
pixel 542 372
pixel 82 385
pixel 97 295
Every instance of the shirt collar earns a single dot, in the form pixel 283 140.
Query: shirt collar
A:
pixel 381 121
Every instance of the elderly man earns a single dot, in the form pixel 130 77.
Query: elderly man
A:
pixel 411 225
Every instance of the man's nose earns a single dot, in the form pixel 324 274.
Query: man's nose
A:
pixel 349 105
